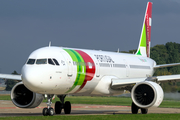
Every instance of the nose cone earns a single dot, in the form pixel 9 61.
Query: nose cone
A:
pixel 30 78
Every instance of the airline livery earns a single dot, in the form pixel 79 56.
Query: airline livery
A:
pixel 63 71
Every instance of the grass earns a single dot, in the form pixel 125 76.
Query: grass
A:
pixel 99 100
pixel 105 101
pixel 5 97
pixel 170 104
pixel 101 117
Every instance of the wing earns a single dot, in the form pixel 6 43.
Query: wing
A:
pixel 10 76
pixel 166 65
pixel 130 82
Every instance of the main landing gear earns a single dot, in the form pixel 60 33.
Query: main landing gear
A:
pixel 61 105
pixel 134 109
pixel 58 106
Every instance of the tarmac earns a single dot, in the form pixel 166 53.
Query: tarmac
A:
pixel 7 108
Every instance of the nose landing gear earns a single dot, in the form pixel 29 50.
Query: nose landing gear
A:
pixel 49 110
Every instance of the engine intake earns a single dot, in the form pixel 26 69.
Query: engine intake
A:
pixel 24 98
pixel 147 94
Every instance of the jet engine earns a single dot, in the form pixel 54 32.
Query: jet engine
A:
pixel 24 98
pixel 147 94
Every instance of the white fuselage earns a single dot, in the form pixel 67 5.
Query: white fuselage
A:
pixel 80 71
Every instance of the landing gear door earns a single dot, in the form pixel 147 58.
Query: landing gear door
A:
pixel 69 63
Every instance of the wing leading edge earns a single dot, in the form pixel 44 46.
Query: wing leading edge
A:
pixel 10 76
pixel 166 65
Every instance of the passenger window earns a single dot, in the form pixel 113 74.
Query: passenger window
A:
pixel 50 62
pixel 31 61
pixel 41 61
pixel 90 65
pixel 56 61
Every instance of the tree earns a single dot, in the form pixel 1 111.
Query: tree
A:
pixel 159 53
pixel 173 52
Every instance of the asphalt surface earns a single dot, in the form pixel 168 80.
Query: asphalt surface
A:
pixel 7 108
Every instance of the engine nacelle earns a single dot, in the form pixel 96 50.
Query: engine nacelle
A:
pixel 24 98
pixel 147 94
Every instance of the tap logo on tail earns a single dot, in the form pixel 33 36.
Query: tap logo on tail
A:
pixel 145 39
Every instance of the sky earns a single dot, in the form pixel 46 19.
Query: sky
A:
pixel 26 25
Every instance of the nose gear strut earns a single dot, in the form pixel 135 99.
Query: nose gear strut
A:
pixel 48 110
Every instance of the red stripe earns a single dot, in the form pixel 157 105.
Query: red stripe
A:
pixel 90 70
pixel 148 27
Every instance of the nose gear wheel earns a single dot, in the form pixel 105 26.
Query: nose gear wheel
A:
pixel 48 110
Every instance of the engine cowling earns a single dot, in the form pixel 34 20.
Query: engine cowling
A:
pixel 147 94
pixel 24 98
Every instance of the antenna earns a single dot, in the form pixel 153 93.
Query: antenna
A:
pixel 50 44
pixel 118 50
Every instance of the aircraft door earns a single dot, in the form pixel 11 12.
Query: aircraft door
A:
pixel 97 70
pixel 69 63
pixel 127 68
pixel 97 67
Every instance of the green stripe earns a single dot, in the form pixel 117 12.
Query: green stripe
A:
pixel 81 68
pixel 76 57
pixel 143 37
pixel 139 52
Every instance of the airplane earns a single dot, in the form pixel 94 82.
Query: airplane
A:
pixel 65 71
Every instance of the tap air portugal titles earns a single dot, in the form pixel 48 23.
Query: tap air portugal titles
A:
pixel 63 71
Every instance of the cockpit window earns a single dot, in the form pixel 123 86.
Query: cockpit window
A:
pixel 50 62
pixel 31 61
pixel 56 61
pixel 41 61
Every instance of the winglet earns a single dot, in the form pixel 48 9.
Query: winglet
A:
pixel 145 39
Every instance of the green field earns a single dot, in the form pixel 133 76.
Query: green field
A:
pixel 5 97
pixel 105 101
pixel 100 117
